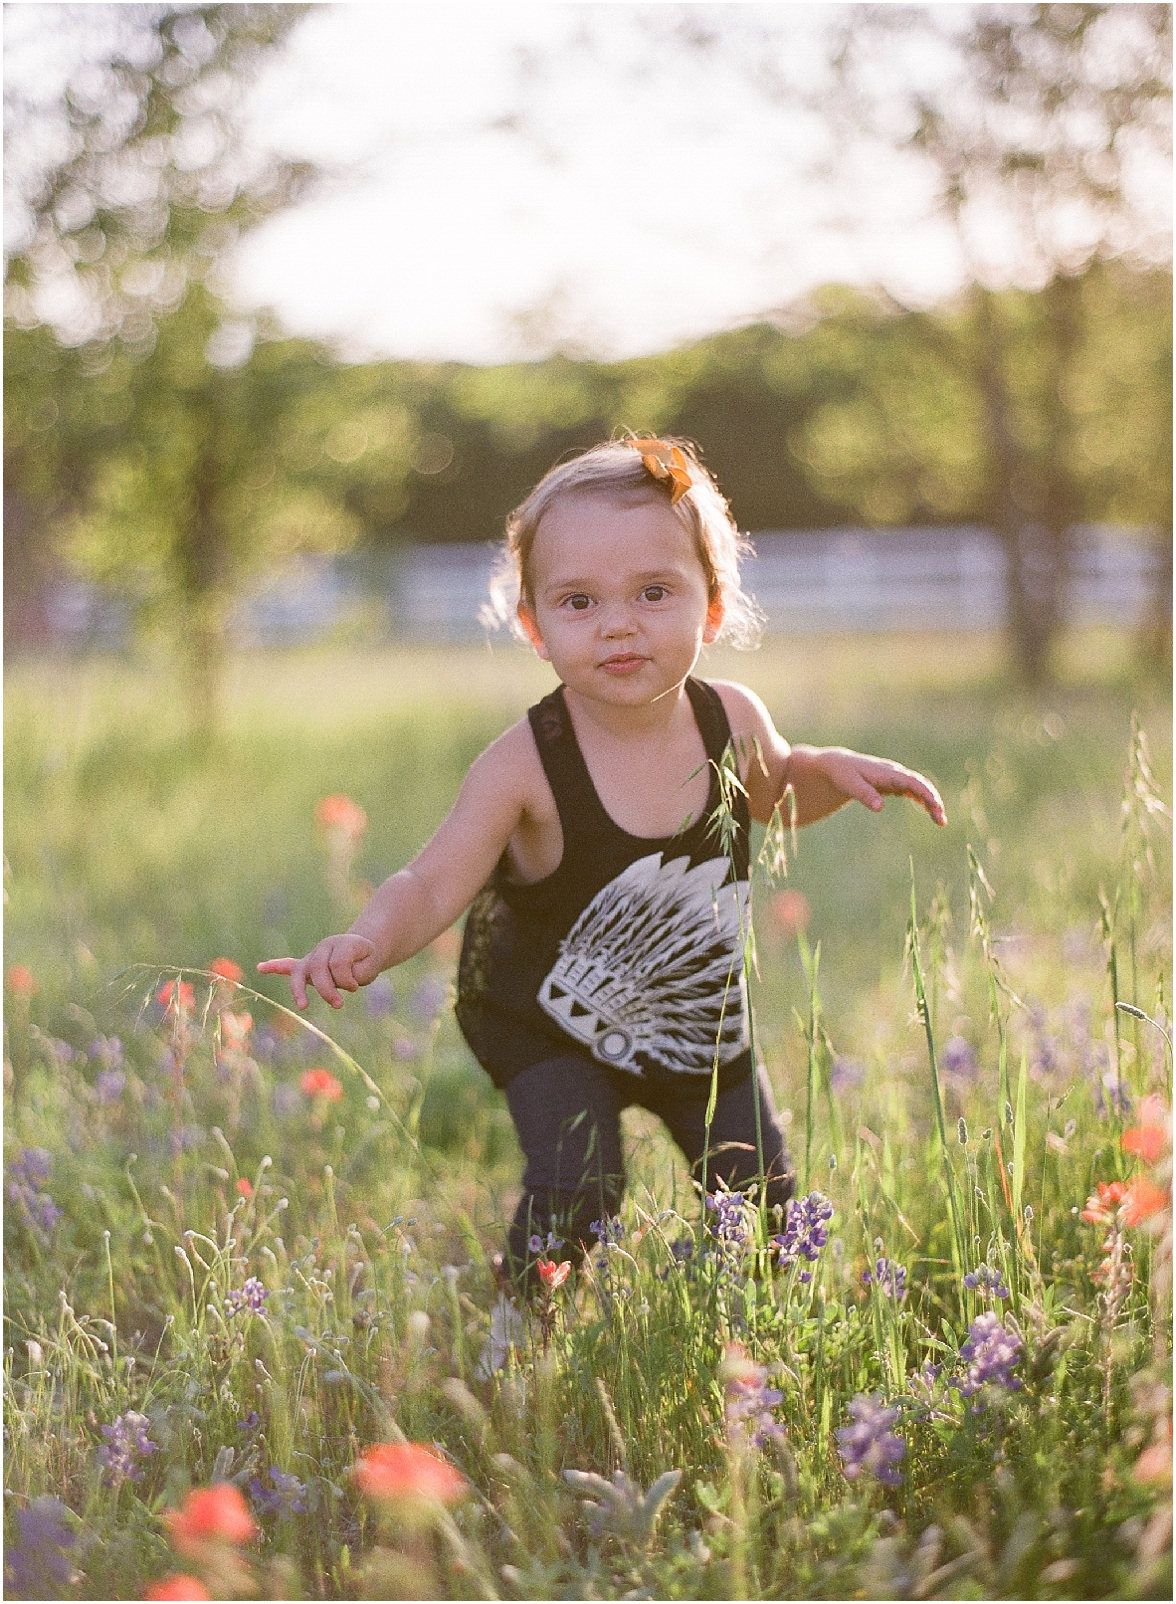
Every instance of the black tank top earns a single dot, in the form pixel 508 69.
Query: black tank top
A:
pixel 631 950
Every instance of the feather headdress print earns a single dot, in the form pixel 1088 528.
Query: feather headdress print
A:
pixel 653 967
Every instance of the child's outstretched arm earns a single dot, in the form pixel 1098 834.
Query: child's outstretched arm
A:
pixel 414 906
pixel 823 778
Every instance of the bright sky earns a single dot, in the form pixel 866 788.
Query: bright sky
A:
pixel 502 180
pixel 512 177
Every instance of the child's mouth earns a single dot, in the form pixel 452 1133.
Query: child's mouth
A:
pixel 626 663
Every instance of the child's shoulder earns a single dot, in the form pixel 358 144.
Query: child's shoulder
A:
pixel 511 764
pixel 762 751
pixel 745 712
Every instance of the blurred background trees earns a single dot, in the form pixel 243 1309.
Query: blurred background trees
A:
pixel 141 424
pixel 168 446
pixel 1042 148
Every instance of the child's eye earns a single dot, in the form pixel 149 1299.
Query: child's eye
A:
pixel 654 593
pixel 578 603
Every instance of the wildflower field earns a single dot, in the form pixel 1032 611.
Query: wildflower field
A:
pixel 254 1340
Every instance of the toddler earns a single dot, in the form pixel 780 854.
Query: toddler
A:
pixel 602 963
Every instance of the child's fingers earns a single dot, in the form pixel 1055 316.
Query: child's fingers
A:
pixel 276 966
pixel 907 783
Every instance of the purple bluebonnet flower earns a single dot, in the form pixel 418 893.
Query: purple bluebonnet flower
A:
pixel 31 1166
pixel 731 1226
pixel 107 1051
pixel 251 1296
pixel 957 1059
pixel 608 1232
pixel 110 1085
pixel 286 1497
pixel 251 1422
pixel 545 1244
pixel 287 1099
pixel 990 1352
pixel 405 1049
pixel 890 1278
pixel 127 1443
pixel 27 1174
pixel 748 1401
pixel 1111 1095
pixel 987 1281
pixel 380 998
pixel 869 1444
pixel 267 1044
pixel 428 999
pixel 846 1075
pixel 805 1233
pixel 40 1565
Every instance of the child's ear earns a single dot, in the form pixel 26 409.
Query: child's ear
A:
pixel 714 620
pixel 529 622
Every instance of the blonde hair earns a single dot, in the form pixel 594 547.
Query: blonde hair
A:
pixel 614 467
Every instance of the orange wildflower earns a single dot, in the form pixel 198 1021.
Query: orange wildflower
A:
pixel 226 969
pixel 553 1275
pixel 1151 1136
pixel 245 1187
pixel 1143 1198
pixel 321 1083
pixel 235 1029
pixel 790 912
pixel 178 995
pixel 177 1585
pixel 20 981
pixel 1101 1209
pixel 395 1472
pixel 216 1514
pixel 342 814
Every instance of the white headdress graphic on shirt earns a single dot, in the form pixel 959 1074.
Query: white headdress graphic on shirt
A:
pixel 654 966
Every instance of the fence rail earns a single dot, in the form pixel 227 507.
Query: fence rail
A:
pixel 806 582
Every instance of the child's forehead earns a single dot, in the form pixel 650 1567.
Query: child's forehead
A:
pixel 611 524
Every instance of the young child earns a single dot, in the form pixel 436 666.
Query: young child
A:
pixel 602 958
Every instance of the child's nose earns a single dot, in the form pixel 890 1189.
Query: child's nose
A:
pixel 616 618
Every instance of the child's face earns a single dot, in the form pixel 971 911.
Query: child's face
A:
pixel 620 606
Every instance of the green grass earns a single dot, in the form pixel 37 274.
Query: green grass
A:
pixel 373 1219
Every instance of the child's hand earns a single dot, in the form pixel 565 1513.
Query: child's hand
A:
pixel 846 775
pixel 338 963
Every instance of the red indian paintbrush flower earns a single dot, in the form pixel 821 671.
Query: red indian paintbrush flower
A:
pixel 396 1472
pixel 178 995
pixel 226 969
pixel 20 981
pixel 321 1083
pixel 216 1514
pixel 177 1585
pixel 340 813
pixel 1143 1199
pixel 1151 1136
pixel 553 1275
pixel 1102 1207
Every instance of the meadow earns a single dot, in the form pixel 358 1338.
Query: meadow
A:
pixel 253 1338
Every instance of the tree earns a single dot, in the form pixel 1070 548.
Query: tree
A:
pixel 1047 138
pixel 162 469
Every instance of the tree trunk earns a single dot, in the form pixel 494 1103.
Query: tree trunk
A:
pixel 1029 584
pixel 204 562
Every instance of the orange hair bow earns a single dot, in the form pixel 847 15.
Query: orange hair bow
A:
pixel 665 462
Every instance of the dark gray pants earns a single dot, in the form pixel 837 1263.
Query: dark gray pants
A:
pixel 567 1112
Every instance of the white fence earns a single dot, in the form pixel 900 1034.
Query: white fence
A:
pixel 820 581
pixel 811 581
